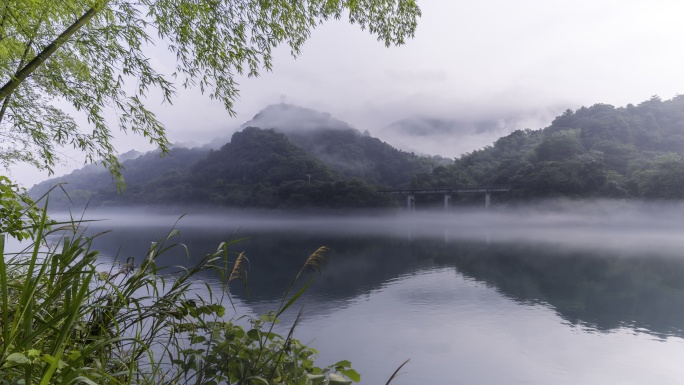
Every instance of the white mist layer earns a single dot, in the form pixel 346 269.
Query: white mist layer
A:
pixel 638 227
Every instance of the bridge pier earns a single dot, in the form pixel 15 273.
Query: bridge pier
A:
pixel 411 202
pixel 447 193
pixel 447 202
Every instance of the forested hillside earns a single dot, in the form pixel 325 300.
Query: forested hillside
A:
pixel 324 163
pixel 263 168
pixel 343 148
pixel 94 184
pixel 598 151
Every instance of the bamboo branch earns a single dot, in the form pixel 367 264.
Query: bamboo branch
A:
pixel 27 70
pixel 24 57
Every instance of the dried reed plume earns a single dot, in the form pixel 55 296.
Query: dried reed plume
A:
pixel 316 259
pixel 238 271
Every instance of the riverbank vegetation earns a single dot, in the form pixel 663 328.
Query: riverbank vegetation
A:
pixel 68 318
pixel 64 319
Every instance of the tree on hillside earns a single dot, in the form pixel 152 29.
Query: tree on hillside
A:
pixel 92 54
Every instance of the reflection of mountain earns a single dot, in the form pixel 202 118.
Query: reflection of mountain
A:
pixel 602 292
pixel 598 291
pixel 356 264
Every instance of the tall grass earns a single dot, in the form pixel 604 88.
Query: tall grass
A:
pixel 66 320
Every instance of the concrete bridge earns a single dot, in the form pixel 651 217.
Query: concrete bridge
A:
pixel 411 194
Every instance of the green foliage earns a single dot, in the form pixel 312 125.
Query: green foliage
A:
pixel 65 320
pixel 661 179
pixel 93 185
pixel 558 146
pixel 257 356
pixel 224 352
pixel 18 213
pixel 581 176
pixel 340 194
pixel 91 54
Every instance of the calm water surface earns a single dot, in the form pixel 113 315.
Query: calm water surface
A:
pixel 516 298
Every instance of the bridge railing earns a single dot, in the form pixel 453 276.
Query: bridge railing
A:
pixel 446 190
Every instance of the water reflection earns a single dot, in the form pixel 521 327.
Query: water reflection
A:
pixel 603 290
pixel 550 299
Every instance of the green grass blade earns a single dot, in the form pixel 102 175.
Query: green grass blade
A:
pixel 5 296
pixel 295 297
pixel 24 307
pixel 61 340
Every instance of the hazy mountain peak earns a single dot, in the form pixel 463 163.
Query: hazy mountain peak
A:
pixel 132 154
pixel 287 118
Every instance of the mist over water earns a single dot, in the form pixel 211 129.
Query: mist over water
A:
pixel 628 226
pixel 558 292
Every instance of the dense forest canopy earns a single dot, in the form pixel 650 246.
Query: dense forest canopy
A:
pixel 598 151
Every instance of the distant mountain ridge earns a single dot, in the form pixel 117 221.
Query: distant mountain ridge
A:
pixel 306 158
pixel 598 151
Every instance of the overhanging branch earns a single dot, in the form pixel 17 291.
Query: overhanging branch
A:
pixel 31 66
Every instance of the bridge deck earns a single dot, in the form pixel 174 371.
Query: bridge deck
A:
pixel 447 190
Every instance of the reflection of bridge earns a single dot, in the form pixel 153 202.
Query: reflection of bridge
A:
pixel 411 194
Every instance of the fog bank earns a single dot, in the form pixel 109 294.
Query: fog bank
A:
pixel 628 226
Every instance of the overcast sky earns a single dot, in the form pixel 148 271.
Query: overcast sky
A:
pixel 469 60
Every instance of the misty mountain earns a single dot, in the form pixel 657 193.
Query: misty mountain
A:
pixel 343 148
pixel 132 154
pixel 317 161
pixel 287 118
pixel 94 184
pixel 290 118
pixel 598 151
pixel 263 168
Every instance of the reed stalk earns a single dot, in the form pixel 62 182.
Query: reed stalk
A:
pixel 66 319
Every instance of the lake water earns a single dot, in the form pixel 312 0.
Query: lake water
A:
pixel 591 294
